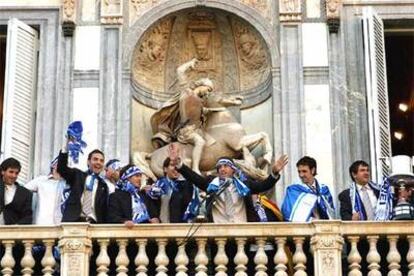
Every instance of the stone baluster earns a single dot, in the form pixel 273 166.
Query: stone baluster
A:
pixel 181 260
pixel 162 259
pixel 260 259
pixel 393 257
pixel 103 261
pixel 299 257
pixel 27 262
pixel 141 260
pixel 241 259
pixel 280 258
pixel 410 256
pixel 201 259
pixel 7 262
pixel 122 260
pixel 354 258
pixel 48 261
pixel 373 257
pixel 221 260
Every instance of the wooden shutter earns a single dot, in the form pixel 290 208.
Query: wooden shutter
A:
pixel 377 94
pixel 19 91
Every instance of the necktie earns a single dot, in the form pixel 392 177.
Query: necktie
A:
pixel 367 204
pixel 228 201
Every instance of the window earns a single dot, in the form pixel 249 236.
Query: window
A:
pixel 18 95
pixel 399 49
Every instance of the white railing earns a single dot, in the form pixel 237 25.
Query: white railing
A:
pixel 145 249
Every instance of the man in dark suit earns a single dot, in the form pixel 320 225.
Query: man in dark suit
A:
pixel 359 201
pixel 129 204
pixel 173 195
pixel 87 201
pixel 15 200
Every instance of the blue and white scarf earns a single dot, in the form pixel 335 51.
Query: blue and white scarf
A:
pixel 76 144
pixel 383 209
pixel 241 188
pixel 139 210
pixel 164 185
pixel 300 200
pixel 64 197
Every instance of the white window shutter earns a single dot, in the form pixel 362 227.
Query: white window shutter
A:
pixel 19 96
pixel 377 94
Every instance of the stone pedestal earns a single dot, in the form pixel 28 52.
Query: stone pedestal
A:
pixel 327 246
pixel 75 248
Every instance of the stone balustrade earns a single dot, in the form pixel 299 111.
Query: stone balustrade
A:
pixel 317 248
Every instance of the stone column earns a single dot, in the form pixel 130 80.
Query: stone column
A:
pixel 327 245
pixel 110 78
pixel 75 248
pixel 292 107
pixel 338 97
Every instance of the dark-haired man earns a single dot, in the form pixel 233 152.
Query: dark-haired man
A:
pixel 360 200
pixel 175 196
pixel 15 200
pixel 87 201
pixel 308 199
pixel 230 191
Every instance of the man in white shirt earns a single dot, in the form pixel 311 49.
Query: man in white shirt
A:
pixel 15 200
pixel 51 192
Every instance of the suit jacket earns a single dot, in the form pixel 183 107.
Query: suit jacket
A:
pixel 346 205
pixel 120 206
pixel 254 186
pixel 178 202
pixel 76 180
pixel 19 210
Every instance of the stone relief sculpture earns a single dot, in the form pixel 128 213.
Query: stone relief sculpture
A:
pixel 202 40
pixel 290 5
pixel 290 10
pixel 150 55
pixel 197 120
pixel 254 68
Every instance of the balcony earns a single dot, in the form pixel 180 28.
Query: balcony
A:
pixel 221 249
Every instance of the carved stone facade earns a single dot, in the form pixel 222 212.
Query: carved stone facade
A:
pixel 138 7
pixel 69 17
pixel 262 6
pixel 333 8
pixel 111 12
pixel 230 52
pixel 290 10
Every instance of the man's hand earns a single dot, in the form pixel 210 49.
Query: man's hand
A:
pixel 280 163
pixel 355 216
pixel 173 153
pixel 154 220
pixel 129 224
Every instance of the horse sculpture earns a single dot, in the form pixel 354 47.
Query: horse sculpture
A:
pixel 224 137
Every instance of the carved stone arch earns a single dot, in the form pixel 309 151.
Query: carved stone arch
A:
pixel 252 16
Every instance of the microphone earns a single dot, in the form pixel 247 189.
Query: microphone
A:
pixel 221 189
